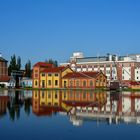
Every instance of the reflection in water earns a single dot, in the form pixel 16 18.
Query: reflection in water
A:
pixel 79 105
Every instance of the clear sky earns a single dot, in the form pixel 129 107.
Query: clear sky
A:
pixel 40 29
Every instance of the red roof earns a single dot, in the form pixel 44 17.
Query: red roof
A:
pixel 81 75
pixel 4 79
pixel 43 64
pixel 51 70
pixel 134 83
pixel 43 111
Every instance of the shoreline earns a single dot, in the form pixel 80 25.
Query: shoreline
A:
pixel 78 89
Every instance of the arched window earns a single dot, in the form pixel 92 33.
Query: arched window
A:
pixel 77 83
pixel 91 83
pixel 84 83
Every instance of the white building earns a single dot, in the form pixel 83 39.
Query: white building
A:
pixel 122 68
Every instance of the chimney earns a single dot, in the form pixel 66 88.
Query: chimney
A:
pixel 0 54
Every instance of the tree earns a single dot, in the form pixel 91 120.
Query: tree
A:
pixel 28 69
pixel 51 61
pixel 18 63
pixel 15 64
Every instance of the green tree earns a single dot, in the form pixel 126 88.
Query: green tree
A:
pixel 15 64
pixel 28 69
pixel 18 63
pixel 51 61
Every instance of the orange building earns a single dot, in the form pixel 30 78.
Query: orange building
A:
pixel 84 80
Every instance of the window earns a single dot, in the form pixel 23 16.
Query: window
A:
pixel 84 83
pixel 137 77
pixel 77 83
pixel 91 95
pixel 43 94
pixel 56 74
pixel 43 83
pixel 91 83
pixel 84 95
pixel 71 83
pixel 65 83
pixel 43 74
pixel 137 71
pixel 49 74
pixel 56 82
pixel 56 96
pixel 49 82
pixel 49 94
pixel 107 71
pixel 36 83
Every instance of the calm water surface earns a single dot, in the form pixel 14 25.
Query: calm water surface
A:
pixel 69 115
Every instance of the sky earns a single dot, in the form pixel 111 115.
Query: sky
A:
pixel 43 29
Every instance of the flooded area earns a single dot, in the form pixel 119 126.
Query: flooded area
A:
pixel 69 114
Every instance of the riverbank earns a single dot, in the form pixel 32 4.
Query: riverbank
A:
pixel 78 89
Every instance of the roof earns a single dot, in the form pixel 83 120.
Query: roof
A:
pixel 4 79
pixel 52 70
pixel 135 83
pixel 82 75
pixel 43 64
pixel 47 110
pixel 82 103
pixel 3 60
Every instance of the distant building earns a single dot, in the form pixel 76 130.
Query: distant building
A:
pixel 122 68
pixel 26 82
pixel 4 78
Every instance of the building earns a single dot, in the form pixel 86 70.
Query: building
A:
pixel 37 68
pixel 26 82
pixel 52 77
pixel 122 68
pixel 4 78
pixel 84 80
pixel 47 76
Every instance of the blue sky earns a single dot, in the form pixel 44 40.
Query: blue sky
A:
pixel 40 29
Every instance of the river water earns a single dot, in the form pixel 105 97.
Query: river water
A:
pixel 69 115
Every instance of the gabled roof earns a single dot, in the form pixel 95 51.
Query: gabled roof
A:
pixel 52 70
pixel 4 79
pixel 82 75
pixel 43 64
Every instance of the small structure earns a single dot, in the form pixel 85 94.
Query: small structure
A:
pixel 7 82
pixel 26 82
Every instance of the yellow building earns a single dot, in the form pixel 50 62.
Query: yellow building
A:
pixel 37 68
pixel 52 77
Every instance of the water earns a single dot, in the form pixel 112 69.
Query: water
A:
pixel 69 114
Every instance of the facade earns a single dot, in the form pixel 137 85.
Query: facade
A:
pixel 4 78
pixel 37 68
pixel 26 82
pixel 84 80
pixel 3 67
pixel 52 78
pixel 122 68
pixel 47 76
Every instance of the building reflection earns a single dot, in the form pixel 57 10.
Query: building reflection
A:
pixel 12 101
pixel 88 105
pixel 79 106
